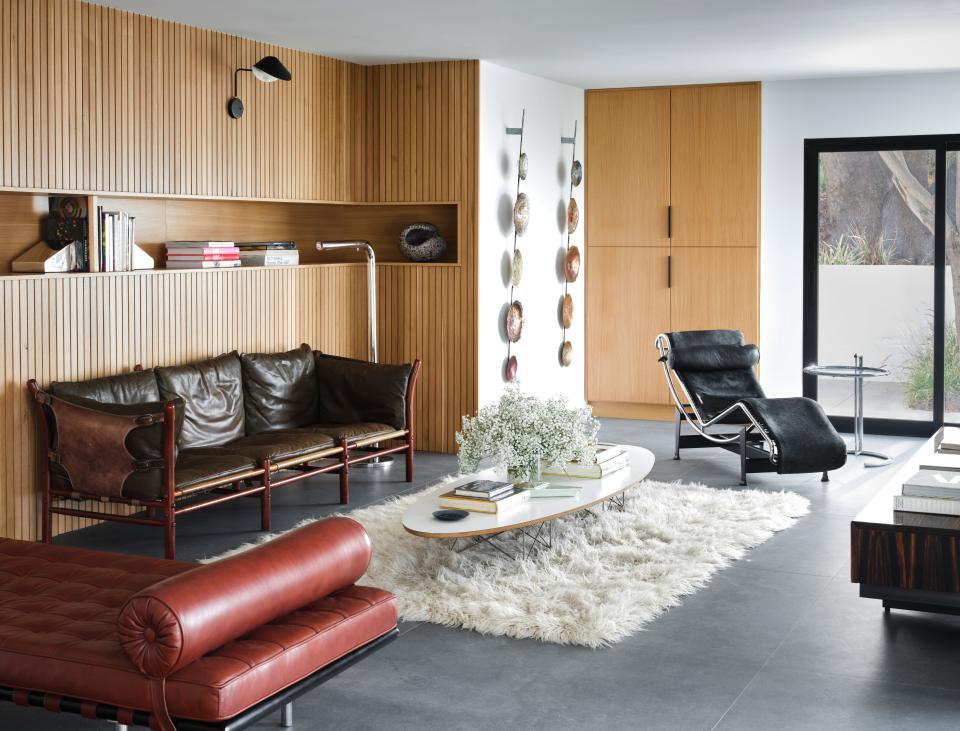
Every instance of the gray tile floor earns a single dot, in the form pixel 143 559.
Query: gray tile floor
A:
pixel 779 640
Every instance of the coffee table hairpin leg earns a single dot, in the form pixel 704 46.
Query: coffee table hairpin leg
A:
pixel 530 538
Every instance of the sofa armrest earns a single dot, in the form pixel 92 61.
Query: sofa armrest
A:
pixel 352 391
pixel 96 448
pixel 170 624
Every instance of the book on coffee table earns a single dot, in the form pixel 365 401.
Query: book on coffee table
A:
pixel 498 504
pixel 486 489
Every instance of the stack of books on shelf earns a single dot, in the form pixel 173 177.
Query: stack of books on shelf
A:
pixel 268 253
pixel 112 245
pixel 202 255
pixel 610 458
pixel 935 488
pixel 484 496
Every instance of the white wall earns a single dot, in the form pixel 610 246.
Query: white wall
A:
pixel 793 111
pixel 551 110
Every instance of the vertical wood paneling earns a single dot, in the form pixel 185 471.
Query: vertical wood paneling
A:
pixel 107 101
pixel 423 117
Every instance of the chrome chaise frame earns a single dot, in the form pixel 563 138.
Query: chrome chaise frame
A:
pixel 757 449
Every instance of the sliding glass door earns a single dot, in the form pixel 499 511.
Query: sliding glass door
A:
pixel 877 285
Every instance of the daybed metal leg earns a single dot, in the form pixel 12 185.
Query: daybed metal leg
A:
pixel 678 420
pixel 286 716
pixel 825 477
pixel 743 456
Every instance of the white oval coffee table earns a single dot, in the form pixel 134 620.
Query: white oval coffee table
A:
pixel 419 519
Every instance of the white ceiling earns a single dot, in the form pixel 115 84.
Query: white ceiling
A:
pixel 599 43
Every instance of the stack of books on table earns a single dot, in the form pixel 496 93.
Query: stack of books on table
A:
pixel 268 253
pixel 484 496
pixel 202 255
pixel 935 488
pixel 610 458
pixel 950 444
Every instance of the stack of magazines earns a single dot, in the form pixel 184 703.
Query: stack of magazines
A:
pixel 935 488
pixel 268 253
pixel 484 496
pixel 610 458
pixel 202 255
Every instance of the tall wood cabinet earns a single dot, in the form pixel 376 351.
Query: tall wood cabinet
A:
pixel 672 230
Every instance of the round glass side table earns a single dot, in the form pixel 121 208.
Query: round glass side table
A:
pixel 857 372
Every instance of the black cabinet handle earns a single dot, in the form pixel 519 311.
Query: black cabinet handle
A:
pixel 669 271
pixel 669 222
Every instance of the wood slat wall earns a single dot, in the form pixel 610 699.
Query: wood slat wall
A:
pixel 421 140
pixel 65 327
pixel 105 101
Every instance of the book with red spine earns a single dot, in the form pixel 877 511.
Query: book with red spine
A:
pixel 207 256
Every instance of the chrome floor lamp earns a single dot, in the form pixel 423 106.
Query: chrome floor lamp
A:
pixel 365 247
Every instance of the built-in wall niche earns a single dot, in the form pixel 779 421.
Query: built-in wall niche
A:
pixel 159 220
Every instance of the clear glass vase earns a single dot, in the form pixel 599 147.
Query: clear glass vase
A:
pixel 524 473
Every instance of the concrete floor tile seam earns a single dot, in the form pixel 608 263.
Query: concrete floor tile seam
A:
pixel 766 662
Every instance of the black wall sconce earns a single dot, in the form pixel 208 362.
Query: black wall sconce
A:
pixel 267 69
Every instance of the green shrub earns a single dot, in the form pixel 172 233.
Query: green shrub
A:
pixel 919 388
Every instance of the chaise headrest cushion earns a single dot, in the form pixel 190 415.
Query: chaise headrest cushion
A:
pixel 700 359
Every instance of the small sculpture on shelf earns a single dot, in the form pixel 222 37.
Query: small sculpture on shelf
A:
pixel 422 242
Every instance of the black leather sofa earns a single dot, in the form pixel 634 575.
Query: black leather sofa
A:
pixel 171 440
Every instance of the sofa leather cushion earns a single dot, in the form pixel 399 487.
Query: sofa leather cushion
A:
pixel 702 358
pixel 353 391
pixel 212 391
pixel 137 387
pixel 194 468
pixel 352 432
pixel 58 634
pixel 280 389
pixel 280 444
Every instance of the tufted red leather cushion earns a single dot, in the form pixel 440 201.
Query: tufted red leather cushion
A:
pixel 59 610
pixel 190 614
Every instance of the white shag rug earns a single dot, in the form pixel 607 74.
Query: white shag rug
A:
pixel 605 576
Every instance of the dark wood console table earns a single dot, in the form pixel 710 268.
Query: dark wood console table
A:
pixel 907 560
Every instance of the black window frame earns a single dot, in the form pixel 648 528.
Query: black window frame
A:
pixel 940 144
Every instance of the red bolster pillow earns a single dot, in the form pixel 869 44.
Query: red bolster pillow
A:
pixel 178 620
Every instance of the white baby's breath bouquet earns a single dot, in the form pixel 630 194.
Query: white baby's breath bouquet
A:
pixel 520 430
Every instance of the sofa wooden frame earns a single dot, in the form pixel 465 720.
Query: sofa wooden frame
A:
pixel 163 513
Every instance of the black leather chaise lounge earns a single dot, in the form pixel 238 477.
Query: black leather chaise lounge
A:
pixel 713 370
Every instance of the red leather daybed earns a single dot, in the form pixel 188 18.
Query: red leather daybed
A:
pixel 173 645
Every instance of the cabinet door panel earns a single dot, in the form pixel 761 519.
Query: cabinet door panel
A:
pixel 715 165
pixel 627 177
pixel 627 306
pixel 715 287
